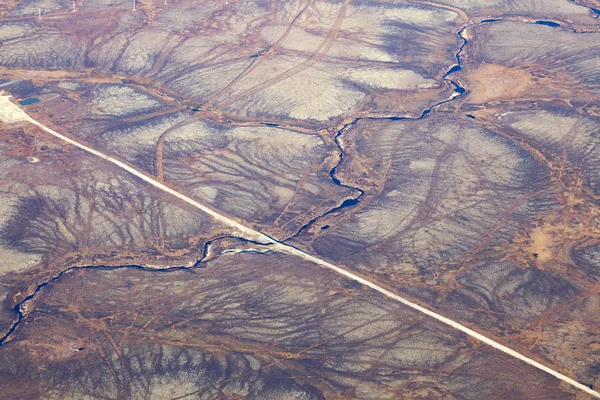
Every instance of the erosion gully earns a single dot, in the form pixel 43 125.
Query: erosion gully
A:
pixel 198 264
pixel 458 90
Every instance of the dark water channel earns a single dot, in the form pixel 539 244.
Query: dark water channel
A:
pixel 459 90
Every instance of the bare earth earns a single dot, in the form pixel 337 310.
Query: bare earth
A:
pixel 300 200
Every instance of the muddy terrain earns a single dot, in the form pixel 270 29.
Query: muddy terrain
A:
pixel 337 199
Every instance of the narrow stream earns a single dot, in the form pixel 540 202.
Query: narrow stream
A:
pixel 346 203
pixel 17 308
pixel 458 91
pixel 198 264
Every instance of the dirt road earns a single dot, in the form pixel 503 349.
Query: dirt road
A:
pixel 10 112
